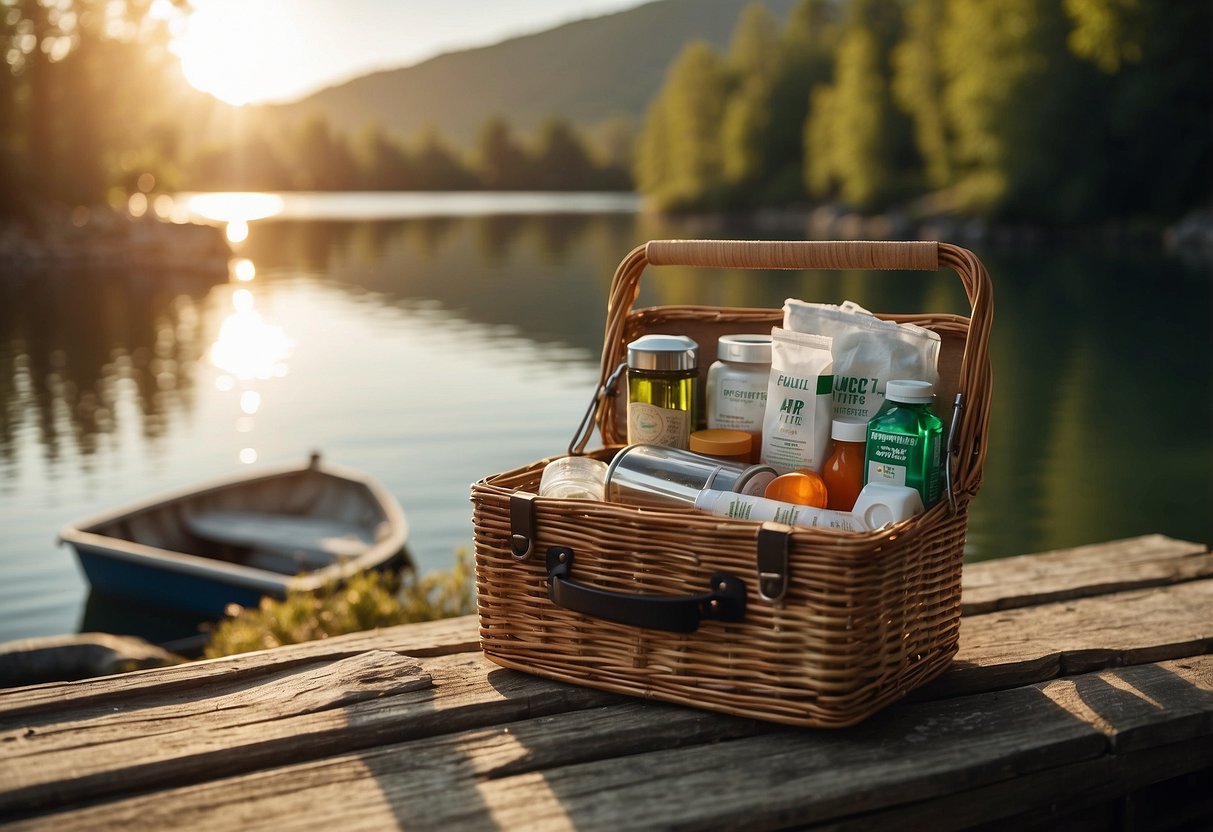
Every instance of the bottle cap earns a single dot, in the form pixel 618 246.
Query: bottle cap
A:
pixel 910 392
pixel 663 352
pixel 721 442
pixel 849 430
pixel 880 504
pixel 745 349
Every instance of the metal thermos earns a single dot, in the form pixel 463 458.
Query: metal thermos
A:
pixel 656 475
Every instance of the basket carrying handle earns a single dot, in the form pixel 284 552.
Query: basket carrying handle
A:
pixel 723 601
pixel 974 382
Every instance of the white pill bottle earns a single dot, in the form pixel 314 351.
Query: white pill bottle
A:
pixel 736 389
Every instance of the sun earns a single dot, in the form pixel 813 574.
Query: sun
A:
pixel 242 51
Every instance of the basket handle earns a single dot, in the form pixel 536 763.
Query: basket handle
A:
pixel 724 600
pixel 974 383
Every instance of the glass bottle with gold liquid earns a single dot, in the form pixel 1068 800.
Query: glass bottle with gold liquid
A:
pixel 662 395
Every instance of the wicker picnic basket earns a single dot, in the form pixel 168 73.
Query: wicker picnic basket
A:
pixel 807 627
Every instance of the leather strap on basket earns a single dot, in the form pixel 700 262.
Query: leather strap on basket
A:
pixel 974 382
pixel 723 599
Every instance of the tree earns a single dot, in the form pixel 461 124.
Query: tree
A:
pixel 918 83
pixel 436 167
pixel 866 146
pixel 804 61
pixel 1016 99
pixel 561 161
pixel 80 92
pixel 678 159
pixel 383 165
pixel 747 116
pixel 1154 69
pixel 500 161
pixel 322 159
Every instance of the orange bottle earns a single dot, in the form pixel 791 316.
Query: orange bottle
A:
pixel 803 487
pixel 843 468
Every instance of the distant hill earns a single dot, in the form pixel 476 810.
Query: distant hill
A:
pixel 589 72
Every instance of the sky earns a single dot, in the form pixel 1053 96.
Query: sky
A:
pixel 256 51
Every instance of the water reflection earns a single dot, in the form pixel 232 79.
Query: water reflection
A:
pixel 97 369
pixel 83 353
pixel 248 351
pixel 232 207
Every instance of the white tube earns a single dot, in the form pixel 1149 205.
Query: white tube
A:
pixel 746 507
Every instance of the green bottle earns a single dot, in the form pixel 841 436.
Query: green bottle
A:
pixel 905 444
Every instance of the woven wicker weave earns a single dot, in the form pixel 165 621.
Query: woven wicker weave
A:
pixel 865 617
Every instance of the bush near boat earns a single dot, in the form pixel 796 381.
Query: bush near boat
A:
pixel 367 601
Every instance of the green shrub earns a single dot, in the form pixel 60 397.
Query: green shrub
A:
pixel 364 602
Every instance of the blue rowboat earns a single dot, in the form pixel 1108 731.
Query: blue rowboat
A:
pixel 237 540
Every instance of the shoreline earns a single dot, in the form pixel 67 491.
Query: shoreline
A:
pixel 104 238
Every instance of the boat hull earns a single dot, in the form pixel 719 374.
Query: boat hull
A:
pixel 153 584
pixel 238 540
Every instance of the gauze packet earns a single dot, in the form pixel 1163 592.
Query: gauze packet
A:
pixel 867 352
pixel 796 423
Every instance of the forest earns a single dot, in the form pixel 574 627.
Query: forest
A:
pixel 1053 110
pixel 1063 111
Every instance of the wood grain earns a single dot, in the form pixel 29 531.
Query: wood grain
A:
pixel 1078 698
pixel 1025 580
pixel 628 764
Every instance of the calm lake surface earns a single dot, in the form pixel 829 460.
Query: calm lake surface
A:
pixel 432 340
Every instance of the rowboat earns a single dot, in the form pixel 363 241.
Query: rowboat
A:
pixel 235 540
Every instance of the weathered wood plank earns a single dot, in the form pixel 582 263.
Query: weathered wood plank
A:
pixel 1151 560
pixel 113 737
pixel 1016 647
pixel 432 638
pixel 1094 569
pixel 222 729
pixel 625 765
pixel 997 650
pixel 1055 798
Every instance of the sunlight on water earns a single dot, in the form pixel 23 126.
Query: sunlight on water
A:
pixel 237 231
pixel 243 269
pixel 234 207
pixel 248 348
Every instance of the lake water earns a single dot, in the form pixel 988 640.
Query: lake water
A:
pixel 431 340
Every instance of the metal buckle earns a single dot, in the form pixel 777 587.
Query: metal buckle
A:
pixel 773 542
pixel 522 524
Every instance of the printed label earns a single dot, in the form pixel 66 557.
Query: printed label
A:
pixel 739 406
pixel 887 473
pixel 856 398
pixel 890 456
pixel 652 425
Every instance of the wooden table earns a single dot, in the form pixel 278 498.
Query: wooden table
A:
pixel 1082 695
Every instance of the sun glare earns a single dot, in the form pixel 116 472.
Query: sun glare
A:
pixel 240 51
